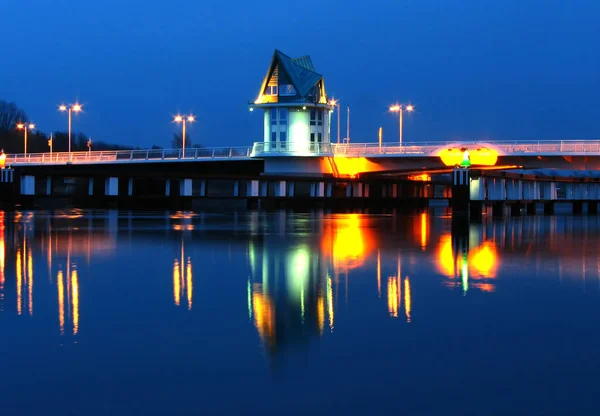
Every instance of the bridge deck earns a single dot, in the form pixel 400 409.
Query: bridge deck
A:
pixel 259 150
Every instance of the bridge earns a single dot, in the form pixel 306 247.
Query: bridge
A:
pixel 421 150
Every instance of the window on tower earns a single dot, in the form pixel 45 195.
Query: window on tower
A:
pixel 273 116
pixel 271 90
pixel 287 90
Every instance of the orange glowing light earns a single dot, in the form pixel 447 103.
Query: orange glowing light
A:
pixel 424 230
pixel 422 177
pixel 351 242
pixel 352 166
pixel 2 160
pixel 478 157
pixel 484 261
pixel 393 297
pixel 264 315
pixel 446 264
pixel 321 313
pixel 75 300
pixel 407 299
pixel 176 283
pixel 61 301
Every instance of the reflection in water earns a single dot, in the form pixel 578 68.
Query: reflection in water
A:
pixel 182 278
pixel 477 263
pixel 294 273
pixel 61 301
pixel 393 296
pixel 407 299
pixel 2 260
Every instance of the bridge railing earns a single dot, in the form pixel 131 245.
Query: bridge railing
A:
pixel 124 156
pixel 292 148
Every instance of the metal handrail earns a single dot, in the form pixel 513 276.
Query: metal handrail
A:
pixel 129 156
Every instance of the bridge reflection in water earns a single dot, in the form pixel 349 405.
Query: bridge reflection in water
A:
pixel 303 269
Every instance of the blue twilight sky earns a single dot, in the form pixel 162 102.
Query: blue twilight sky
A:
pixel 474 69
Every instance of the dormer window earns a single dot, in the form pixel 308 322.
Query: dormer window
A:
pixel 287 90
pixel 271 90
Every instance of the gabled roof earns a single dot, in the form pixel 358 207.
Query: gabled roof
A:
pixel 304 62
pixel 300 71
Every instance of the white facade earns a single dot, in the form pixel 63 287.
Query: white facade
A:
pixel 296 128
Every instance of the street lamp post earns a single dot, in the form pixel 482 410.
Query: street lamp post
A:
pixel 184 120
pixel 25 127
pixel 70 109
pixel 398 108
pixel 336 103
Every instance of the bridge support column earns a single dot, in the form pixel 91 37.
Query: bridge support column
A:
pixel 348 190
pixel 111 186
pixel 320 189
pixel 291 188
pixel 27 185
pixel 91 187
pixel 48 185
pixel 357 189
pixel 203 188
pixel 531 191
pixel 461 192
pixel 477 189
pixel 185 187
pixel 168 187
pixel 236 189
pixel 329 190
pixel 252 188
pixel 280 188
pixel 496 189
pixel 514 190
pixel 365 190
pixel 130 187
pixel 264 188
pixel 395 190
pixel 548 191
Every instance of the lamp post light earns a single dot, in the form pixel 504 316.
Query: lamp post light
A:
pixel 184 120
pixel 76 108
pixel 398 108
pixel 336 103
pixel 25 127
pixel 89 145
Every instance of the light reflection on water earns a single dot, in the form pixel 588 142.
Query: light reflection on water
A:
pixel 119 278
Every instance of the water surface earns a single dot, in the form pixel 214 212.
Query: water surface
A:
pixel 113 313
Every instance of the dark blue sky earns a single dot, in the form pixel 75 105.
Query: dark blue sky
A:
pixel 474 69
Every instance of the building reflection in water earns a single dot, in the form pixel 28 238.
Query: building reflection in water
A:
pixel 290 294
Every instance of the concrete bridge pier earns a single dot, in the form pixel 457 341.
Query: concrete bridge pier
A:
pixel 461 193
